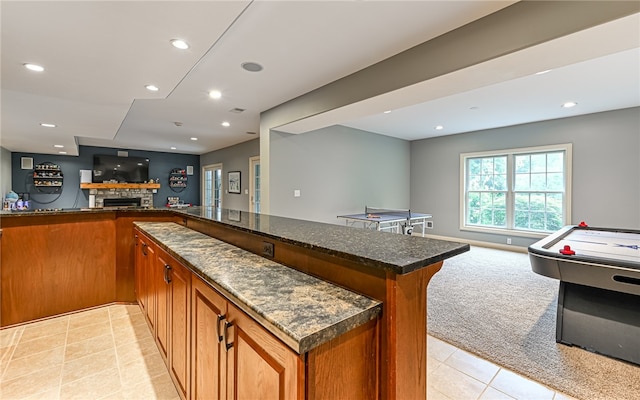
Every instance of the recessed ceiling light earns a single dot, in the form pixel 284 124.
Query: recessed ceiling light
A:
pixel 225 123
pixel 48 125
pixel 569 104
pixel 62 152
pixel 194 138
pixel 58 146
pixel 152 88
pixel 439 127
pixel 215 94
pixel 251 66
pixel 543 72
pixel 173 148
pixel 387 112
pixel 34 67
pixel 179 44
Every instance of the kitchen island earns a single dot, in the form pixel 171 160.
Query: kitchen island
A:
pixel 392 269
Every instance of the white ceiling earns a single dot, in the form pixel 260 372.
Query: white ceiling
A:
pixel 98 57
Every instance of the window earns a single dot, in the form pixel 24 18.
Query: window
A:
pixel 254 184
pixel 523 190
pixel 212 185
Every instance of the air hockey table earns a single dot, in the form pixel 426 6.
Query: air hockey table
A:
pixel 599 294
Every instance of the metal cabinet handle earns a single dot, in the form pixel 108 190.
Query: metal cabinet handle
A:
pixel 220 319
pixel 144 246
pixel 167 277
pixel 227 345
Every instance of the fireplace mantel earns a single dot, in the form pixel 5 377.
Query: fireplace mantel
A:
pixel 119 186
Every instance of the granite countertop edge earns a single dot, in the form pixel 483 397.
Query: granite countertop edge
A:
pixel 398 268
pixel 300 344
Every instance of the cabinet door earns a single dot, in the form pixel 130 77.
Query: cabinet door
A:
pixel 140 287
pixel 261 366
pixel 162 281
pixel 208 310
pixel 180 292
pixel 148 281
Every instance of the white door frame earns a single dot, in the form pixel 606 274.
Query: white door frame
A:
pixel 252 181
pixel 211 167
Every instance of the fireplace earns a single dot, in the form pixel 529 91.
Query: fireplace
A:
pixel 122 202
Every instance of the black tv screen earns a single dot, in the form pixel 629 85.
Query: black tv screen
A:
pixel 122 169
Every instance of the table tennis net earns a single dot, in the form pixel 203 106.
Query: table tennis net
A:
pixel 387 211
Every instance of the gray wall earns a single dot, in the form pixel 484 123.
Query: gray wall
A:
pixel 5 172
pixel 338 170
pixel 606 169
pixel 234 158
pixel 519 26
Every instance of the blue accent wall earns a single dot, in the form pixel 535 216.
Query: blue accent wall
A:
pixel 71 196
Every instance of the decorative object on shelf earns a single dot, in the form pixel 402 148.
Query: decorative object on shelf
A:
pixel 178 179
pixel 234 182
pixel 47 177
pixel 175 202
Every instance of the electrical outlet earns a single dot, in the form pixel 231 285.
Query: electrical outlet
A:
pixel 267 249
pixel 508 240
pixel 429 225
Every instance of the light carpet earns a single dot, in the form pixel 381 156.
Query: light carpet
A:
pixel 489 302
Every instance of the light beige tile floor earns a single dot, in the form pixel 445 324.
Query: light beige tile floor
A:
pixel 109 353
pixel 454 374
pixel 105 353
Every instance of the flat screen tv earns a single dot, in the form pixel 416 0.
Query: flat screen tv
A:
pixel 122 169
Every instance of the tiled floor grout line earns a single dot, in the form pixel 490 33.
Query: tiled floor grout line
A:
pixel 115 350
pixel 12 352
pixel 64 357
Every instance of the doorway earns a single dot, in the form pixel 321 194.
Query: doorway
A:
pixel 212 185
pixel 254 184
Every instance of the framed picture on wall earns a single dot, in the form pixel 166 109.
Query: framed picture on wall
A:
pixel 234 182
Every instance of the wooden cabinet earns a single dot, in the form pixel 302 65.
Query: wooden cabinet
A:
pixel 234 357
pixel 163 290
pixel 259 366
pixel 139 271
pixel 163 303
pixel 173 296
pixel 208 358
pixel 145 261
pixel 215 350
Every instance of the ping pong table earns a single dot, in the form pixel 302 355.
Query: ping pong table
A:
pixel 392 220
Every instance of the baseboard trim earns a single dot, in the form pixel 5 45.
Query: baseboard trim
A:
pixel 508 247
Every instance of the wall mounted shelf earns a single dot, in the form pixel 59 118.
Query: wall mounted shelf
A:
pixel 119 186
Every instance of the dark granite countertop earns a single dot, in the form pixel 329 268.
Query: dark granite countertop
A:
pixel 389 251
pixel 301 310
pixel 69 211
